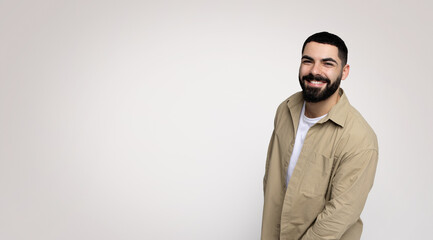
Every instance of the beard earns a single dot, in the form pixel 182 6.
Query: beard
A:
pixel 312 94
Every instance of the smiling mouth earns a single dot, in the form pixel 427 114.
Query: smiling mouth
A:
pixel 315 83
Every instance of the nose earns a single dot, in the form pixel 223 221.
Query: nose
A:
pixel 315 70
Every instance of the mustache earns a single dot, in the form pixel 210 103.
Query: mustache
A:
pixel 310 77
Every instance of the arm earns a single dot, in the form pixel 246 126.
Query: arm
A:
pixel 350 187
pixel 268 159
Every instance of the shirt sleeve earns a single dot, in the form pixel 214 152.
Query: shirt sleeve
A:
pixel 350 187
pixel 268 159
pixel 270 147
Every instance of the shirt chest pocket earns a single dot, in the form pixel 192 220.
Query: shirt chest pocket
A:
pixel 316 175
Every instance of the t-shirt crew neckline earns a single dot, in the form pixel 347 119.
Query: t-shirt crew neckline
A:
pixel 311 121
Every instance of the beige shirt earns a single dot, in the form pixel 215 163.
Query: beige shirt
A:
pixel 331 180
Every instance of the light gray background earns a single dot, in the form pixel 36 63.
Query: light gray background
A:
pixel 151 119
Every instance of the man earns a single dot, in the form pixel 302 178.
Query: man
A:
pixel 322 155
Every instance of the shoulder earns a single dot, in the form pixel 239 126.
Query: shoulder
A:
pixel 293 100
pixel 358 134
pixel 289 103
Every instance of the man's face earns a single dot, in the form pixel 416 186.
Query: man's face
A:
pixel 321 71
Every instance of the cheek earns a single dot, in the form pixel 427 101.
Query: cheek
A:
pixel 333 75
pixel 303 71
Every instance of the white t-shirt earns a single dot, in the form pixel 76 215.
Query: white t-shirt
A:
pixel 304 125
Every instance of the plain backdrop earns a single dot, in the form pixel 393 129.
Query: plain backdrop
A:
pixel 151 119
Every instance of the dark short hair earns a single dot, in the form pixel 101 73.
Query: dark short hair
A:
pixel 331 39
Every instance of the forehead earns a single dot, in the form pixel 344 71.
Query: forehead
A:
pixel 320 51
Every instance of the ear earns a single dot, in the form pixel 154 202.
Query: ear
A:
pixel 345 73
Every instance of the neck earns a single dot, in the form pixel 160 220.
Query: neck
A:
pixel 313 110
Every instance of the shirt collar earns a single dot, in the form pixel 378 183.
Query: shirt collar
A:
pixel 338 112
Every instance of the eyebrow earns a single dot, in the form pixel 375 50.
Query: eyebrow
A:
pixel 329 60
pixel 307 57
pixel 323 60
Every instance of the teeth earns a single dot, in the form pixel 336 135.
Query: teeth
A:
pixel 316 82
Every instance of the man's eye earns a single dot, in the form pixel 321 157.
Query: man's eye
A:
pixel 329 64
